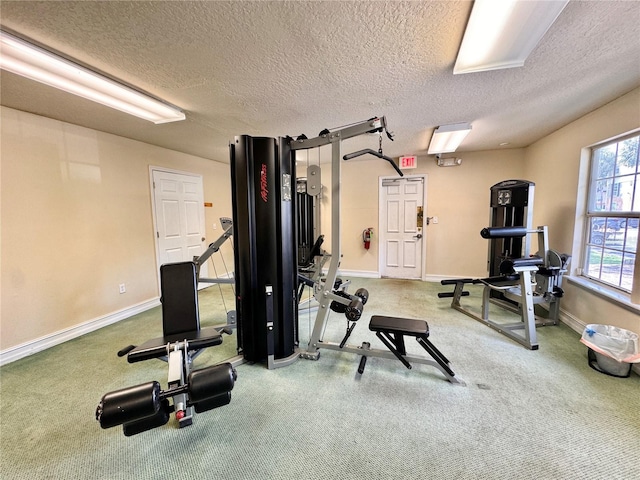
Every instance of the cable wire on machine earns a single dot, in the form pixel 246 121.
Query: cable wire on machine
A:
pixel 226 271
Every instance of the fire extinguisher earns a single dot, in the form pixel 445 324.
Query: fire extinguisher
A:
pixel 366 237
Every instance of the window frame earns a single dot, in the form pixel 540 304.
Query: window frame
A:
pixel 608 217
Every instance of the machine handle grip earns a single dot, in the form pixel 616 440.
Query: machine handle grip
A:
pixel 125 350
pixel 503 232
pixel 455 281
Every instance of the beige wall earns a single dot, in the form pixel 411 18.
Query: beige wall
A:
pixel 458 196
pixel 77 221
pixel 76 215
pixel 554 164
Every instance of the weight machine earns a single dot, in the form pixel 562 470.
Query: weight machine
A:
pixel 263 170
pixel 517 281
pixel 311 256
pixel 391 331
pixel 307 216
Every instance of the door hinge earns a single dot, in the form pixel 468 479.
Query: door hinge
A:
pixel 157 234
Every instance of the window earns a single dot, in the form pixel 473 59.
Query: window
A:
pixel 613 213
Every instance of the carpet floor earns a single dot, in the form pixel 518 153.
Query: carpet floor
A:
pixel 522 414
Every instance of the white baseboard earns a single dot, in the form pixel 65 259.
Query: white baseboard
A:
pixel 29 348
pixel 34 346
pixel 575 323
pixel 358 273
pixel 372 274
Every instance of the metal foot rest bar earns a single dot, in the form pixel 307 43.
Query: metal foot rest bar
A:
pixel 392 330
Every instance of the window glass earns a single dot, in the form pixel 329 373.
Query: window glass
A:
pixel 613 214
pixel 602 195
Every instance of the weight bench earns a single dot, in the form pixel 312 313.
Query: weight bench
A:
pixel 392 330
pixel 144 407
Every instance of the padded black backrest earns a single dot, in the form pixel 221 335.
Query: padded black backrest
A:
pixel 179 297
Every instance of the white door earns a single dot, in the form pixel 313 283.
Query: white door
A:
pixel 401 227
pixel 179 216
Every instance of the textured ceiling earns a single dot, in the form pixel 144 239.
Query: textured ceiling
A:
pixel 283 68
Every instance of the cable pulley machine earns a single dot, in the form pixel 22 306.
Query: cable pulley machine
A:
pixel 391 331
pixel 326 291
pixel 263 193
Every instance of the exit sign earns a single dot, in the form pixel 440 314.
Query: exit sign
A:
pixel 408 162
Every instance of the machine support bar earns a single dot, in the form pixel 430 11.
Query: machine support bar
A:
pixel 373 352
pixel 528 337
pixel 368 126
pixel 323 296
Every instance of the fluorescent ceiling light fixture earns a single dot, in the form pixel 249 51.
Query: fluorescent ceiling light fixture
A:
pixel 447 138
pixel 27 60
pixel 503 33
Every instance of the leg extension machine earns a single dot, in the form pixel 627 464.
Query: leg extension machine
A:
pixel 143 407
pixel 523 284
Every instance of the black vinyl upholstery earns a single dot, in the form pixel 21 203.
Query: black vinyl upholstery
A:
pixel 180 314
pixel 157 347
pixel 405 326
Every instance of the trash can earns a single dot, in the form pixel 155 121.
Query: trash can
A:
pixel 612 350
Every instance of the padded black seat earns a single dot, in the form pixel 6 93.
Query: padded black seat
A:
pixel 157 347
pixel 407 326
pixel 392 330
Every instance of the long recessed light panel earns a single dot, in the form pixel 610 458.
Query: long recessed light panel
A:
pixel 447 138
pixel 27 60
pixel 503 33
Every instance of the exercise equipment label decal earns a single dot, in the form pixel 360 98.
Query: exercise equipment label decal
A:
pixel 264 191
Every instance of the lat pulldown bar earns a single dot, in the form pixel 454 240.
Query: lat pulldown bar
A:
pixel 368 151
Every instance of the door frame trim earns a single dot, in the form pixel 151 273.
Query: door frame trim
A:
pixel 381 255
pixel 156 168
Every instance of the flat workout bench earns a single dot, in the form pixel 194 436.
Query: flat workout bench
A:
pixel 392 330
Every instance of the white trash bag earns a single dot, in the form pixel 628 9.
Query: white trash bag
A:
pixel 612 342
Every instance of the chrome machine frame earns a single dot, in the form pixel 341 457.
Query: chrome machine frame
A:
pixel 323 289
pixel 536 280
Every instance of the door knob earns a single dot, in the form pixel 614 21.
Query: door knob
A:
pixel 418 236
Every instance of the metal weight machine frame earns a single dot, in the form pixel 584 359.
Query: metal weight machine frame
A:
pixel 538 282
pixel 227 232
pixel 227 227
pixel 323 289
